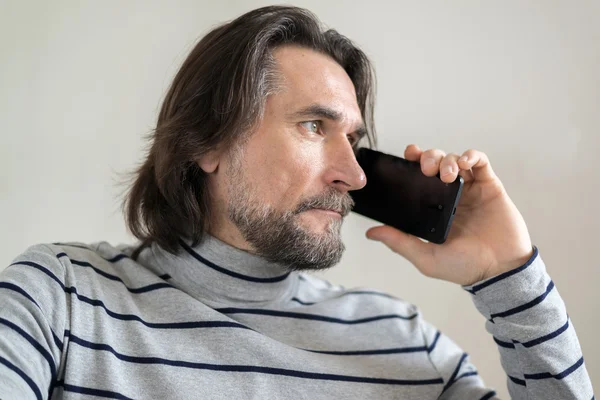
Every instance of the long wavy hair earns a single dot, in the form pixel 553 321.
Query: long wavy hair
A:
pixel 215 99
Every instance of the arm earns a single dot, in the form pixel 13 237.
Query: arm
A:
pixel 32 319
pixel 489 251
pixel 538 346
pixel 537 342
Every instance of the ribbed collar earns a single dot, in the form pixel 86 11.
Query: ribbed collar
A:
pixel 219 274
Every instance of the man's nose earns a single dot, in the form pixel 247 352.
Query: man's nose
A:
pixel 343 171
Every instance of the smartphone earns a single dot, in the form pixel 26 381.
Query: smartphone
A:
pixel 399 194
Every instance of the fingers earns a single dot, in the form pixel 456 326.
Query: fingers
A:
pixel 479 164
pixel 431 160
pixel 472 164
pixel 412 152
pixel 449 168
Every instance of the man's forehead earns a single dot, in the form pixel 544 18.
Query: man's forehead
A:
pixel 310 78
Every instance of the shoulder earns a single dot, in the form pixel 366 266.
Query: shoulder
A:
pixel 70 262
pixel 41 258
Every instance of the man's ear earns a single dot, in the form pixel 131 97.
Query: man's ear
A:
pixel 209 162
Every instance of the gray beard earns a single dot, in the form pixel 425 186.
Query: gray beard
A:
pixel 278 236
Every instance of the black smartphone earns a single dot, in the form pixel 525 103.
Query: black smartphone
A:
pixel 399 194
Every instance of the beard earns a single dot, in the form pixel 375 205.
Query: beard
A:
pixel 278 236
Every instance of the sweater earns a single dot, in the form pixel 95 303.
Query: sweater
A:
pixel 86 321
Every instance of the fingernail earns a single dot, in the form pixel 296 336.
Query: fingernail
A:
pixel 463 158
pixel 447 170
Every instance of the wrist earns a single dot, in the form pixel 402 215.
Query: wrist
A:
pixel 510 265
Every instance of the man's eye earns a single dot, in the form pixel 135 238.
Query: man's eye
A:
pixel 312 126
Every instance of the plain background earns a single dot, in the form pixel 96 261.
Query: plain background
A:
pixel 81 83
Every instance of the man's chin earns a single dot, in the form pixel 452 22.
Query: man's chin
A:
pixel 318 221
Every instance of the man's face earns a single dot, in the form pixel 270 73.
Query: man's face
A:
pixel 270 196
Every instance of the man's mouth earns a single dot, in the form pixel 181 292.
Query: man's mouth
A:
pixel 330 211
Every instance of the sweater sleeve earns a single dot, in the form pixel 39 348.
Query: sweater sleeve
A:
pixel 32 314
pixel 538 346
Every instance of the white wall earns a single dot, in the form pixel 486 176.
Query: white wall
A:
pixel 81 82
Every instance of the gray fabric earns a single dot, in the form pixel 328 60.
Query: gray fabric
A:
pixel 84 321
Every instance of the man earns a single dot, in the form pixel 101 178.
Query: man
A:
pixel 244 190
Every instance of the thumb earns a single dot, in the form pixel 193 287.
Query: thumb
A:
pixel 408 246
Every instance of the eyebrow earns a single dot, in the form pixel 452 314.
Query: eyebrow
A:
pixel 320 111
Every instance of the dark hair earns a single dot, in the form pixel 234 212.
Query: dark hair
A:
pixel 215 99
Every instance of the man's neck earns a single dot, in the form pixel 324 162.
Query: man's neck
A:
pixel 228 233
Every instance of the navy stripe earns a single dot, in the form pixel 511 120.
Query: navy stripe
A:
pixel 505 275
pixel 517 380
pixel 358 292
pixel 252 368
pixel 547 337
pixel 306 303
pixel 10 286
pixel 217 324
pixel 500 343
pixel 156 325
pixel 355 352
pixel 453 376
pixel 397 350
pixel 93 392
pixel 73 245
pixel 435 340
pixel 144 289
pixel 131 317
pixel 117 258
pixel 150 288
pixel 42 269
pixel 562 375
pixel 228 272
pixel 114 259
pixel 23 375
pixel 314 317
pixel 488 396
pixel 97 270
pixel 57 341
pixel 466 374
pixel 35 344
pixel 525 306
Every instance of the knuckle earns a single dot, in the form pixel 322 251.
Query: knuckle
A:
pixel 428 153
pixel 440 153
pixel 452 157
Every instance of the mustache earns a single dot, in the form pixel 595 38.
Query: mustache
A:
pixel 330 200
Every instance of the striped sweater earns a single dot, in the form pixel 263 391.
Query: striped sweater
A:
pixel 84 321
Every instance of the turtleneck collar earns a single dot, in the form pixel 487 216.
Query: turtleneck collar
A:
pixel 218 274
